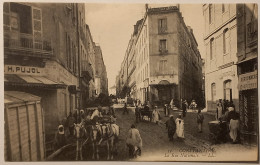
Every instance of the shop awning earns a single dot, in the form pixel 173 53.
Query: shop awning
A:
pixel 31 81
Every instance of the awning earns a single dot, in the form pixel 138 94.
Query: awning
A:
pixel 18 97
pixel 31 81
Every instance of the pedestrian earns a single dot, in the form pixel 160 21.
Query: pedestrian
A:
pixel 71 120
pixel 171 126
pixel 125 109
pixel 134 142
pixel 156 115
pixel 172 104
pixel 219 109
pixel 200 118
pixel 233 127
pixel 179 127
pixel 60 139
pixel 184 108
pixel 166 111
pixel 137 114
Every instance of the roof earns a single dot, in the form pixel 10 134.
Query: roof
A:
pixel 11 97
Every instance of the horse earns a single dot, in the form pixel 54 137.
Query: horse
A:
pixel 109 132
pixel 94 134
pixel 80 133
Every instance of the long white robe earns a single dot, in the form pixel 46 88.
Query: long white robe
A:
pixel 179 127
pixel 233 127
pixel 155 115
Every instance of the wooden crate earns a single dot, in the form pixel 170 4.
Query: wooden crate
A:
pixel 24 127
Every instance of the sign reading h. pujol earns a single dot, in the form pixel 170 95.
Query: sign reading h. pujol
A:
pixel 25 70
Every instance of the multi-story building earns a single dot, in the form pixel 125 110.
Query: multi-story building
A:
pixel 49 52
pixel 167 60
pixel 101 82
pixel 91 63
pixel 220 38
pixel 247 47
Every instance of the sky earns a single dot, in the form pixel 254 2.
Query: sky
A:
pixel 111 26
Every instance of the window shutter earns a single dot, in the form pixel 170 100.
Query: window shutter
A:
pixel 37 27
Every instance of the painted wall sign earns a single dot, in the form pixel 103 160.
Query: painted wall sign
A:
pixel 247 81
pixel 25 70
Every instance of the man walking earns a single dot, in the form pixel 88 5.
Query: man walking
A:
pixel 200 119
pixel 137 114
pixel 184 108
pixel 134 142
pixel 171 126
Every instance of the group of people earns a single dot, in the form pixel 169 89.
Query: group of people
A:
pixel 66 128
pixel 176 126
pixel 226 112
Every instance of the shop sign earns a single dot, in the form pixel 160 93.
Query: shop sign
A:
pixel 24 70
pixel 248 81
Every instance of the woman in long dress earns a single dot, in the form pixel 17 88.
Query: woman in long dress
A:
pixel 179 127
pixel 156 115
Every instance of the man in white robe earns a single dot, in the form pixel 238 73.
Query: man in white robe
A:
pixel 179 127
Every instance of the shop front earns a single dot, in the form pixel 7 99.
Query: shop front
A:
pixel 248 106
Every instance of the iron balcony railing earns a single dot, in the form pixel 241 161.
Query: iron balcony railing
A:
pixel 16 43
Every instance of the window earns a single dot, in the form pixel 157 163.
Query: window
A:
pixel 163 46
pixel 227 90
pixel 210 13
pixel 162 25
pixel 162 66
pixel 213 91
pixel 225 41
pixel 211 48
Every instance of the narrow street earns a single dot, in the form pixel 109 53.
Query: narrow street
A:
pixel 156 145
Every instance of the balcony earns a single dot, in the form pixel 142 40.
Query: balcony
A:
pixel 21 44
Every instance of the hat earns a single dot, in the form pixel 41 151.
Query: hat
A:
pixel 171 116
pixel 59 127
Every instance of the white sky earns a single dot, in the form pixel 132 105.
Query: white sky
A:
pixel 111 26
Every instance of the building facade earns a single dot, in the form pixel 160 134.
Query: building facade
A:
pixel 165 57
pixel 220 39
pixel 247 46
pixel 49 52
pixel 101 82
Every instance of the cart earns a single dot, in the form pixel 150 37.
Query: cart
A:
pixel 218 131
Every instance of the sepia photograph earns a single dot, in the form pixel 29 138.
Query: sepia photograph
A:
pixel 119 81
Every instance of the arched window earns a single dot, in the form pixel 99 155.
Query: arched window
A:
pixel 211 48
pixel 227 90
pixel 213 91
pixel 225 41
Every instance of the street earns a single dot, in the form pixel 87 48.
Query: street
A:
pixel 156 145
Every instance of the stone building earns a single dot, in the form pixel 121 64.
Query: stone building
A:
pixel 167 63
pixel 247 47
pixel 220 39
pixel 45 52
pixel 101 82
